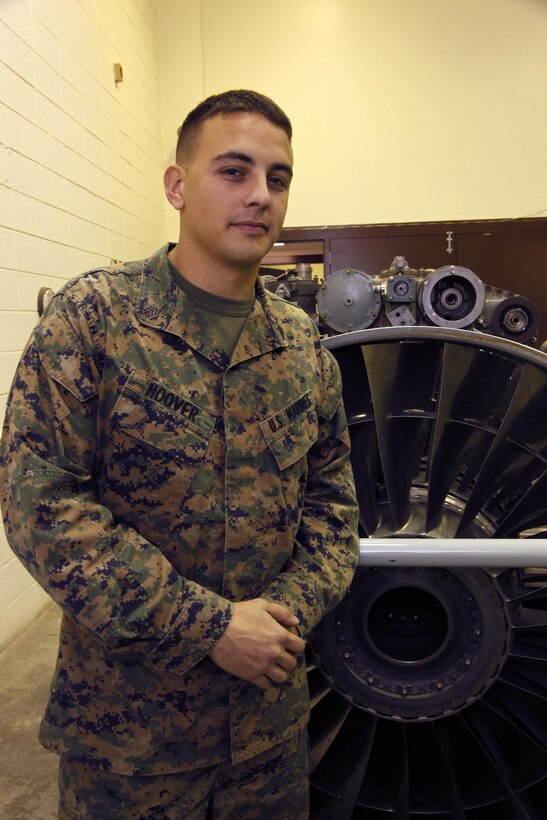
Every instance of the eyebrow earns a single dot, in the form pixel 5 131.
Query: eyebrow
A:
pixel 237 155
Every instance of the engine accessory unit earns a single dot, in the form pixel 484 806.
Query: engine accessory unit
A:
pixel 401 289
pixel 512 317
pixel 297 285
pixel 452 296
pixel 401 316
pixel 348 300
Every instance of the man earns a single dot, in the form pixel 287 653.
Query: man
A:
pixel 175 473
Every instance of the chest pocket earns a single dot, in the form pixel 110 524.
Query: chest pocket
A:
pixel 158 440
pixel 289 435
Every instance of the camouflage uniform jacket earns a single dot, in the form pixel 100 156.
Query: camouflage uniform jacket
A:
pixel 147 483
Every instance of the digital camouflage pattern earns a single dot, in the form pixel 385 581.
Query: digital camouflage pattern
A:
pixel 147 483
pixel 273 784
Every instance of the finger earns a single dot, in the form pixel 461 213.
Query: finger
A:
pixel 286 661
pixel 277 674
pixel 281 614
pixel 262 681
pixel 294 644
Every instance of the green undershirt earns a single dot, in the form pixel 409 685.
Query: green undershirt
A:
pixel 225 317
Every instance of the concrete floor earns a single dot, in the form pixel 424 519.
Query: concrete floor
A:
pixel 28 774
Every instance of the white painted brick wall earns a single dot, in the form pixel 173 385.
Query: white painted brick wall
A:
pixel 181 76
pixel 81 162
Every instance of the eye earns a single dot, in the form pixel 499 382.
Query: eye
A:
pixel 232 173
pixel 278 182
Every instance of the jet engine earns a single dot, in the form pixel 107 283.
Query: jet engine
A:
pixel 428 683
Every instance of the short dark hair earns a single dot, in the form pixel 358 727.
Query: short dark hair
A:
pixel 240 101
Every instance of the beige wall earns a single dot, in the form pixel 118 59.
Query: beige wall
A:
pixel 404 110
pixel 80 164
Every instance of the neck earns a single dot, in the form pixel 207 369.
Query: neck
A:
pixel 221 280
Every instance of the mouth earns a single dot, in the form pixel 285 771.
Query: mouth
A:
pixel 250 227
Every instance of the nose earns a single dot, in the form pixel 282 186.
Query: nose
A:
pixel 258 194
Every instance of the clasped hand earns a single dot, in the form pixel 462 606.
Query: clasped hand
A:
pixel 259 645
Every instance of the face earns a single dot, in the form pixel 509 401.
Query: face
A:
pixel 232 192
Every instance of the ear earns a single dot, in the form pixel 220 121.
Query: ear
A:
pixel 173 183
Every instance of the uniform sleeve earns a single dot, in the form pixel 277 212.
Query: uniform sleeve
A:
pixel 326 548
pixel 103 574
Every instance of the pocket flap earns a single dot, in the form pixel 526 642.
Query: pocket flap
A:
pixel 291 433
pixel 168 421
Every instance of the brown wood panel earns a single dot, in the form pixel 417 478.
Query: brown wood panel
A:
pixel 375 254
pixel 514 260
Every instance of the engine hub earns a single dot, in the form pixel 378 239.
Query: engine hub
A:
pixel 414 643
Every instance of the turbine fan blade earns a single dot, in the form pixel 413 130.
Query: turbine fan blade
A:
pixel 429 686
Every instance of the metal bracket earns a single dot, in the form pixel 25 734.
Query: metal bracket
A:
pixel 401 316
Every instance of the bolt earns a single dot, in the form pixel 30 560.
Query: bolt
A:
pixel 467 662
pixel 347 655
pixel 439 685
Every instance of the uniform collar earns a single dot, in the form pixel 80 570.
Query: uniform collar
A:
pixel 165 306
pixel 158 294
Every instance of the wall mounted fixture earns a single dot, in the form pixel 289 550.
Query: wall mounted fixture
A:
pixel 44 298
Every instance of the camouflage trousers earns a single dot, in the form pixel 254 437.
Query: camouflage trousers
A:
pixel 271 786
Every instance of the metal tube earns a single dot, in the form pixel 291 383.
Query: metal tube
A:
pixel 453 552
